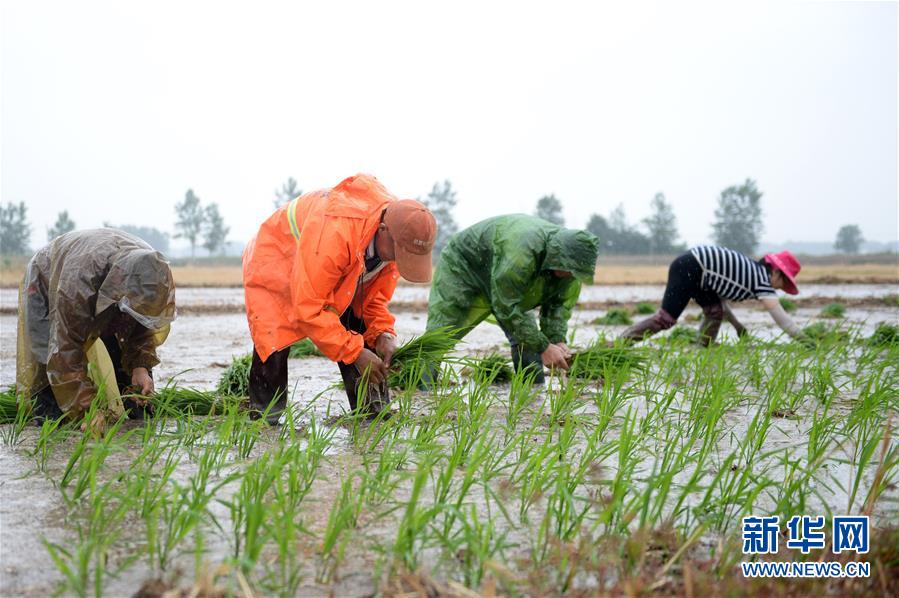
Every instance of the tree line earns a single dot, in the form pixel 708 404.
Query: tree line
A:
pixel 737 223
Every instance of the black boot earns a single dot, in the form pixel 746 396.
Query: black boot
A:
pixel 661 320
pixel 268 386
pixel 45 407
pixel 528 361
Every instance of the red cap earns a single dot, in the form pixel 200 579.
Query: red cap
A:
pixel 789 266
pixel 414 230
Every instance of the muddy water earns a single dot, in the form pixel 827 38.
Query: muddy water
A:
pixel 195 355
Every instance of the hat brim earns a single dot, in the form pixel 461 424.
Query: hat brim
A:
pixel 413 267
pixel 789 282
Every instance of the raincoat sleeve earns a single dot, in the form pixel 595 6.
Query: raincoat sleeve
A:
pixel 375 314
pixel 140 349
pixel 556 310
pixel 511 273
pixel 317 273
pixel 66 361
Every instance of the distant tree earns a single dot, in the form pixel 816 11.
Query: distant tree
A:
pixel 287 192
pixel 63 225
pixel 191 219
pixel 15 231
pixel 599 226
pixel 738 218
pixel 661 226
pixel 550 208
pixel 623 237
pixel 154 237
pixel 214 229
pixel 849 239
pixel 442 201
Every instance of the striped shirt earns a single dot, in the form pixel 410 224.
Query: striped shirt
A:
pixel 731 274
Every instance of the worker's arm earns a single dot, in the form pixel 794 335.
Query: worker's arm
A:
pixel 139 356
pixel 375 312
pixel 556 309
pixel 786 323
pixel 732 318
pixel 318 271
pixel 509 279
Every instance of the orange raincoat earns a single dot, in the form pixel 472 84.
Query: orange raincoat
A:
pixel 302 270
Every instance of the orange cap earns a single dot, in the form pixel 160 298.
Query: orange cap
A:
pixel 414 230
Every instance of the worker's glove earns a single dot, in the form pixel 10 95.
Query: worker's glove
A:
pixel 554 358
pixel 368 361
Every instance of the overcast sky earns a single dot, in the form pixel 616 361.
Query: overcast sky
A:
pixel 111 110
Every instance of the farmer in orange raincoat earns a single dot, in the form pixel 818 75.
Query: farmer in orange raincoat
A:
pixel 324 267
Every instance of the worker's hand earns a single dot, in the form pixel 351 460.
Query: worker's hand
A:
pixel 565 350
pixel 141 381
pixel 554 358
pixel 386 347
pixel 367 360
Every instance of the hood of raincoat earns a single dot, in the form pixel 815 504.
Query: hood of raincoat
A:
pixel 64 305
pixel 572 251
pixel 140 283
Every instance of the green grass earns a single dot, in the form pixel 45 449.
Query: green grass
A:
pixel 569 488
pixel 644 309
pixel 235 381
pixel 617 316
pixel 824 333
pixel 412 358
pixel 833 310
pixel 683 335
pixel 493 366
pixel 788 304
pixel 885 335
pixel 303 349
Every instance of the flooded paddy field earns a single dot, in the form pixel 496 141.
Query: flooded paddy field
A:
pixel 636 483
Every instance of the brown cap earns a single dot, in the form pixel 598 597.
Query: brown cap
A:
pixel 414 230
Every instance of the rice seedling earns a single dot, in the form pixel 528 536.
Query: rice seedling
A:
pixel 599 361
pixel 820 332
pixel 413 359
pixel 15 414
pixel 644 309
pixel 303 349
pixel 788 304
pixel 683 335
pixel 617 316
pixel 885 335
pixel 493 367
pixel 176 401
pixel 235 381
pixel 833 310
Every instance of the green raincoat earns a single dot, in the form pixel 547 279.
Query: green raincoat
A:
pixel 81 285
pixel 503 266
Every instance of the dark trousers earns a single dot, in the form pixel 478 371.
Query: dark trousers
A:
pixel 46 407
pixel 268 380
pixel 529 361
pixel 685 283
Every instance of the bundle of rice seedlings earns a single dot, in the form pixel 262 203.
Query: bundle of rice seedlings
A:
pixel 644 308
pixel 891 300
pixel 885 335
pixel 176 400
pixel 8 406
pixel 598 360
pixel 788 304
pixel 683 335
pixel 304 348
pixel 416 356
pixel 235 381
pixel 617 316
pixel 821 332
pixel 493 367
pixel 833 310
